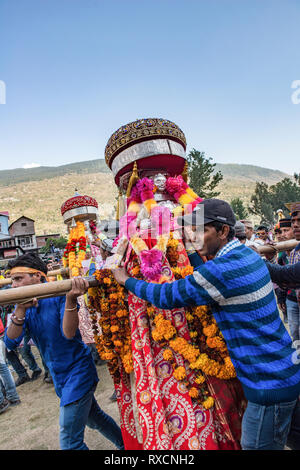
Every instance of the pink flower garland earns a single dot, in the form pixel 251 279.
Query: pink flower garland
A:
pixel 151 264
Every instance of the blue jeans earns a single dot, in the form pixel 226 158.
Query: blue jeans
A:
pixel 293 314
pixel 13 359
pixel 293 440
pixel 7 378
pixel 26 353
pixel 86 412
pixel 266 427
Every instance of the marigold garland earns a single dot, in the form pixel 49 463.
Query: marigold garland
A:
pixel 75 250
pixel 114 341
pixel 206 353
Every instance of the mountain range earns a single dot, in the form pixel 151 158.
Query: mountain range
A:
pixel 39 192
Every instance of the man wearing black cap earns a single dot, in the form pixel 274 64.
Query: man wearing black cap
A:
pixel 293 299
pixel 237 286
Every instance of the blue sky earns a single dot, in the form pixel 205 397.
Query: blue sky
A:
pixel 76 70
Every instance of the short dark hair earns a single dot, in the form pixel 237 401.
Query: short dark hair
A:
pixel 219 225
pixel 262 227
pixel 29 260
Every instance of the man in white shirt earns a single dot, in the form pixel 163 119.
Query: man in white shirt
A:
pixel 251 239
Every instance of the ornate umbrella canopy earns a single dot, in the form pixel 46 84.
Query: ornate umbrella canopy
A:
pixel 152 143
pixel 79 208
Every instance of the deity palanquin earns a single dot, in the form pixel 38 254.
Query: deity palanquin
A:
pixel 175 383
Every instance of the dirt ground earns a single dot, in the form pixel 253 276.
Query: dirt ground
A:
pixel 33 425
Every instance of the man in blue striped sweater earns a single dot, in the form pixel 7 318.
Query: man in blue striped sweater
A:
pixel 237 285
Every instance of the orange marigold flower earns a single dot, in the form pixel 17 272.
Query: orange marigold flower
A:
pixel 114 328
pixel 179 373
pixel 216 343
pixel 135 271
pixel 210 330
pixel 113 297
pixel 193 392
pixel 121 313
pixel 189 352
pixel 187 270
pixel 167 355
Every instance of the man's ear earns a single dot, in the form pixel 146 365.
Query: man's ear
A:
pixel 223 234
pixel 38 277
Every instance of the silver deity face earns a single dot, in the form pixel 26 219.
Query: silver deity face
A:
pixel 160 181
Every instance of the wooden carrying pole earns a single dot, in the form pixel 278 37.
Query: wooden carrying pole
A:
pixel 39 291
pixel 280 246
pixel 55 272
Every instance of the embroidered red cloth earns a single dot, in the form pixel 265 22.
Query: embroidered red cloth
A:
pixel 156 410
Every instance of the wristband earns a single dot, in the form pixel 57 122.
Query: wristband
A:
pixel 17 318
pixel 69 309
pixel 17 324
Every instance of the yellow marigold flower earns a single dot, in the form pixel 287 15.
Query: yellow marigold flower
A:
pixel 187 270
pixel 200 379
pixel 173 243
pixel 162 243
pixel 150 310
pixel 208 403
pixel 156 335
pixel 177 211
pixel 107 281
pixel 138 244
pixel 189 317
pixel 127 362
pixel 149 203
pixel 185 199
pixel 193 334
pixel 170 332
pixel 179 373
pixel 193 392
pixel 227 370
pixel 167 355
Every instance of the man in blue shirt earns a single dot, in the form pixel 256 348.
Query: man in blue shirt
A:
pixel 53 325
pixel 237 285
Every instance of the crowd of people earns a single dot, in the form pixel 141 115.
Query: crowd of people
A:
pixel 245 288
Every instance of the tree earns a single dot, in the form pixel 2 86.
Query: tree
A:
pixel 282 192
pixel 60 242
pixel 202 178
pixel 261 203
pixel 297 178
pixel 267 200
pixel 238 208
